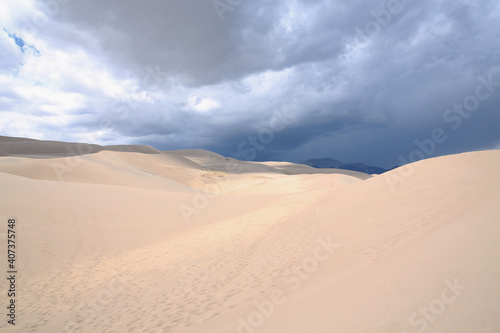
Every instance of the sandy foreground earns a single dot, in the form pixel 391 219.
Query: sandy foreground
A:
pixel 131 239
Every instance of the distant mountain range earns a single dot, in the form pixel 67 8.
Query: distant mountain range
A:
pixel 323 163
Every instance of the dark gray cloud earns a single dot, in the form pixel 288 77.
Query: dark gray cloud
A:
pixel 359 80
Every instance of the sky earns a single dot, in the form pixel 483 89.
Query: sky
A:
pixel 380 82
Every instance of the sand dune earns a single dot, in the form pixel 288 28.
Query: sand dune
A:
pixel 21 146
pixel 302 169
pixel 130 239
pixel 220 163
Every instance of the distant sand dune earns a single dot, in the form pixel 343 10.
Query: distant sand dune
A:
pixel 268 246
pixel 21 146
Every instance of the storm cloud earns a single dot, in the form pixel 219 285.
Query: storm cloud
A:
pixel 356 81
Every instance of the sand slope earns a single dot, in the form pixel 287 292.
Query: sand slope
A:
pixel 141 241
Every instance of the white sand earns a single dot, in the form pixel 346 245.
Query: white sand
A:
pixel 130 239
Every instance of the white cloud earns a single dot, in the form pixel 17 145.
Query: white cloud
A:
pixel 202 104
pixel 10 54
